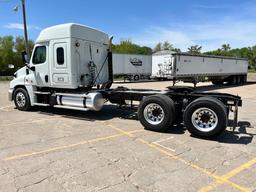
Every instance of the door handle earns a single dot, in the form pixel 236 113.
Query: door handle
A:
pixel 46 78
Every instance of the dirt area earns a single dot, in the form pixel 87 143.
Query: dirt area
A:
pixel 63 150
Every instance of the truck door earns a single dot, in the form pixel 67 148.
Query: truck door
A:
pixel 40 61
pixel 59 66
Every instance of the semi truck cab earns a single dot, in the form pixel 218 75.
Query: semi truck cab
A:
pixel 68 56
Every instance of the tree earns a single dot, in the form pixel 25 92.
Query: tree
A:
pixel 10 53
pixel 245 52
pixel 195 49
pixel 20 47
pixel 126 46
pixel 252 58
pixel 176 50
pixel 226 47
pixel 158 47
pixel 7 53
pixel 167 46
pixel 145 50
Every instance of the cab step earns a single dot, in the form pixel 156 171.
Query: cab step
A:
pixel 42 104
pixel 42 93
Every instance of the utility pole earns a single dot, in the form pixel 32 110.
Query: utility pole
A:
pixel 25 27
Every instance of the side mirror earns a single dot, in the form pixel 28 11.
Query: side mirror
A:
pixel 26 62
pixel 10 66
pixel 24 57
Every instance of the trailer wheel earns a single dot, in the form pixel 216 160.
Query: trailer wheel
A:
pixel 244 79
pixel 136 78
pixel 238 80
pixel 234 80
pixel 217 82
pixel 205 117
pixel 156 112
pixel 21 99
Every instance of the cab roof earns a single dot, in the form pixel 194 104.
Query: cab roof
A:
pixel 72 30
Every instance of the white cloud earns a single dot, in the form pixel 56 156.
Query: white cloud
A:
pixel 34 27
pixel 212 35
pixel 237 33
pixel 14 26
pixel 207 7
pixel 154 34
pixel 20 26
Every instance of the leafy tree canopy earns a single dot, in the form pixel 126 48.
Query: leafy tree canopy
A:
pixel 245 52
pixel 10 53
pixel 195 49
pixel 165 46
pixel 127 47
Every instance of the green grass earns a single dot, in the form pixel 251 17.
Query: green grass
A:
pixel 6 78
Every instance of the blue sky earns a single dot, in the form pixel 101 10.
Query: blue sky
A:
pixel 209 23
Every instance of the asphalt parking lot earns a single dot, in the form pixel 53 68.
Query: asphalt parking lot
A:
pixel 64 150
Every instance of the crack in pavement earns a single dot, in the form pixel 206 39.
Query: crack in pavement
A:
pixel 35 183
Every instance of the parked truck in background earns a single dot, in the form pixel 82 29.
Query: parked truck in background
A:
pixel 162 65
pixel 132 67
pixel 196 68
pixel 71 68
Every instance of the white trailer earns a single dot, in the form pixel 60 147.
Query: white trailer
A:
pixel 161 64
pixel 195 68
pixel 71 68
pixel 131 66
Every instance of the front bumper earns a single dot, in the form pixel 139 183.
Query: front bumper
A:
pixel 10 94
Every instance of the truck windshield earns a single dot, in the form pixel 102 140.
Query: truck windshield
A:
pixel 39 55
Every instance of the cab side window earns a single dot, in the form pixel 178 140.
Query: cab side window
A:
pixel 39 55
pixel 60 55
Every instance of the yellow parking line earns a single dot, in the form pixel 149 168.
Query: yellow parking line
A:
pixel 162 146
pixel 3 108
pixel 6 107
pixel 120 130
pixel 156 147
pixel 229 175
pixel 163 140
pixel 29 122
pixel 66 146
pixel 239 169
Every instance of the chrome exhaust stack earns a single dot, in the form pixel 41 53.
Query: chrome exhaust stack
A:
pixel 108 84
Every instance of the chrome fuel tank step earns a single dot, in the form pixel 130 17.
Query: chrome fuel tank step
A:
pixel 92 101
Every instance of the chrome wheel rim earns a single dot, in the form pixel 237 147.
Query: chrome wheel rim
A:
pixel 154 114
pixel 20 99
pixel 204 119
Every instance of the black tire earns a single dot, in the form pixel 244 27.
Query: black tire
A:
pixel 167 108
pixel 214 114
pixel 217 82
pixel 21 99
pixel 238 80
pixel 244 79
pixel 136 78
pixel 233 80
pixel 129 78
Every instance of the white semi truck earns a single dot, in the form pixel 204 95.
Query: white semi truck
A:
pixel 131 66
pixel 71 68
pixel 196 68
